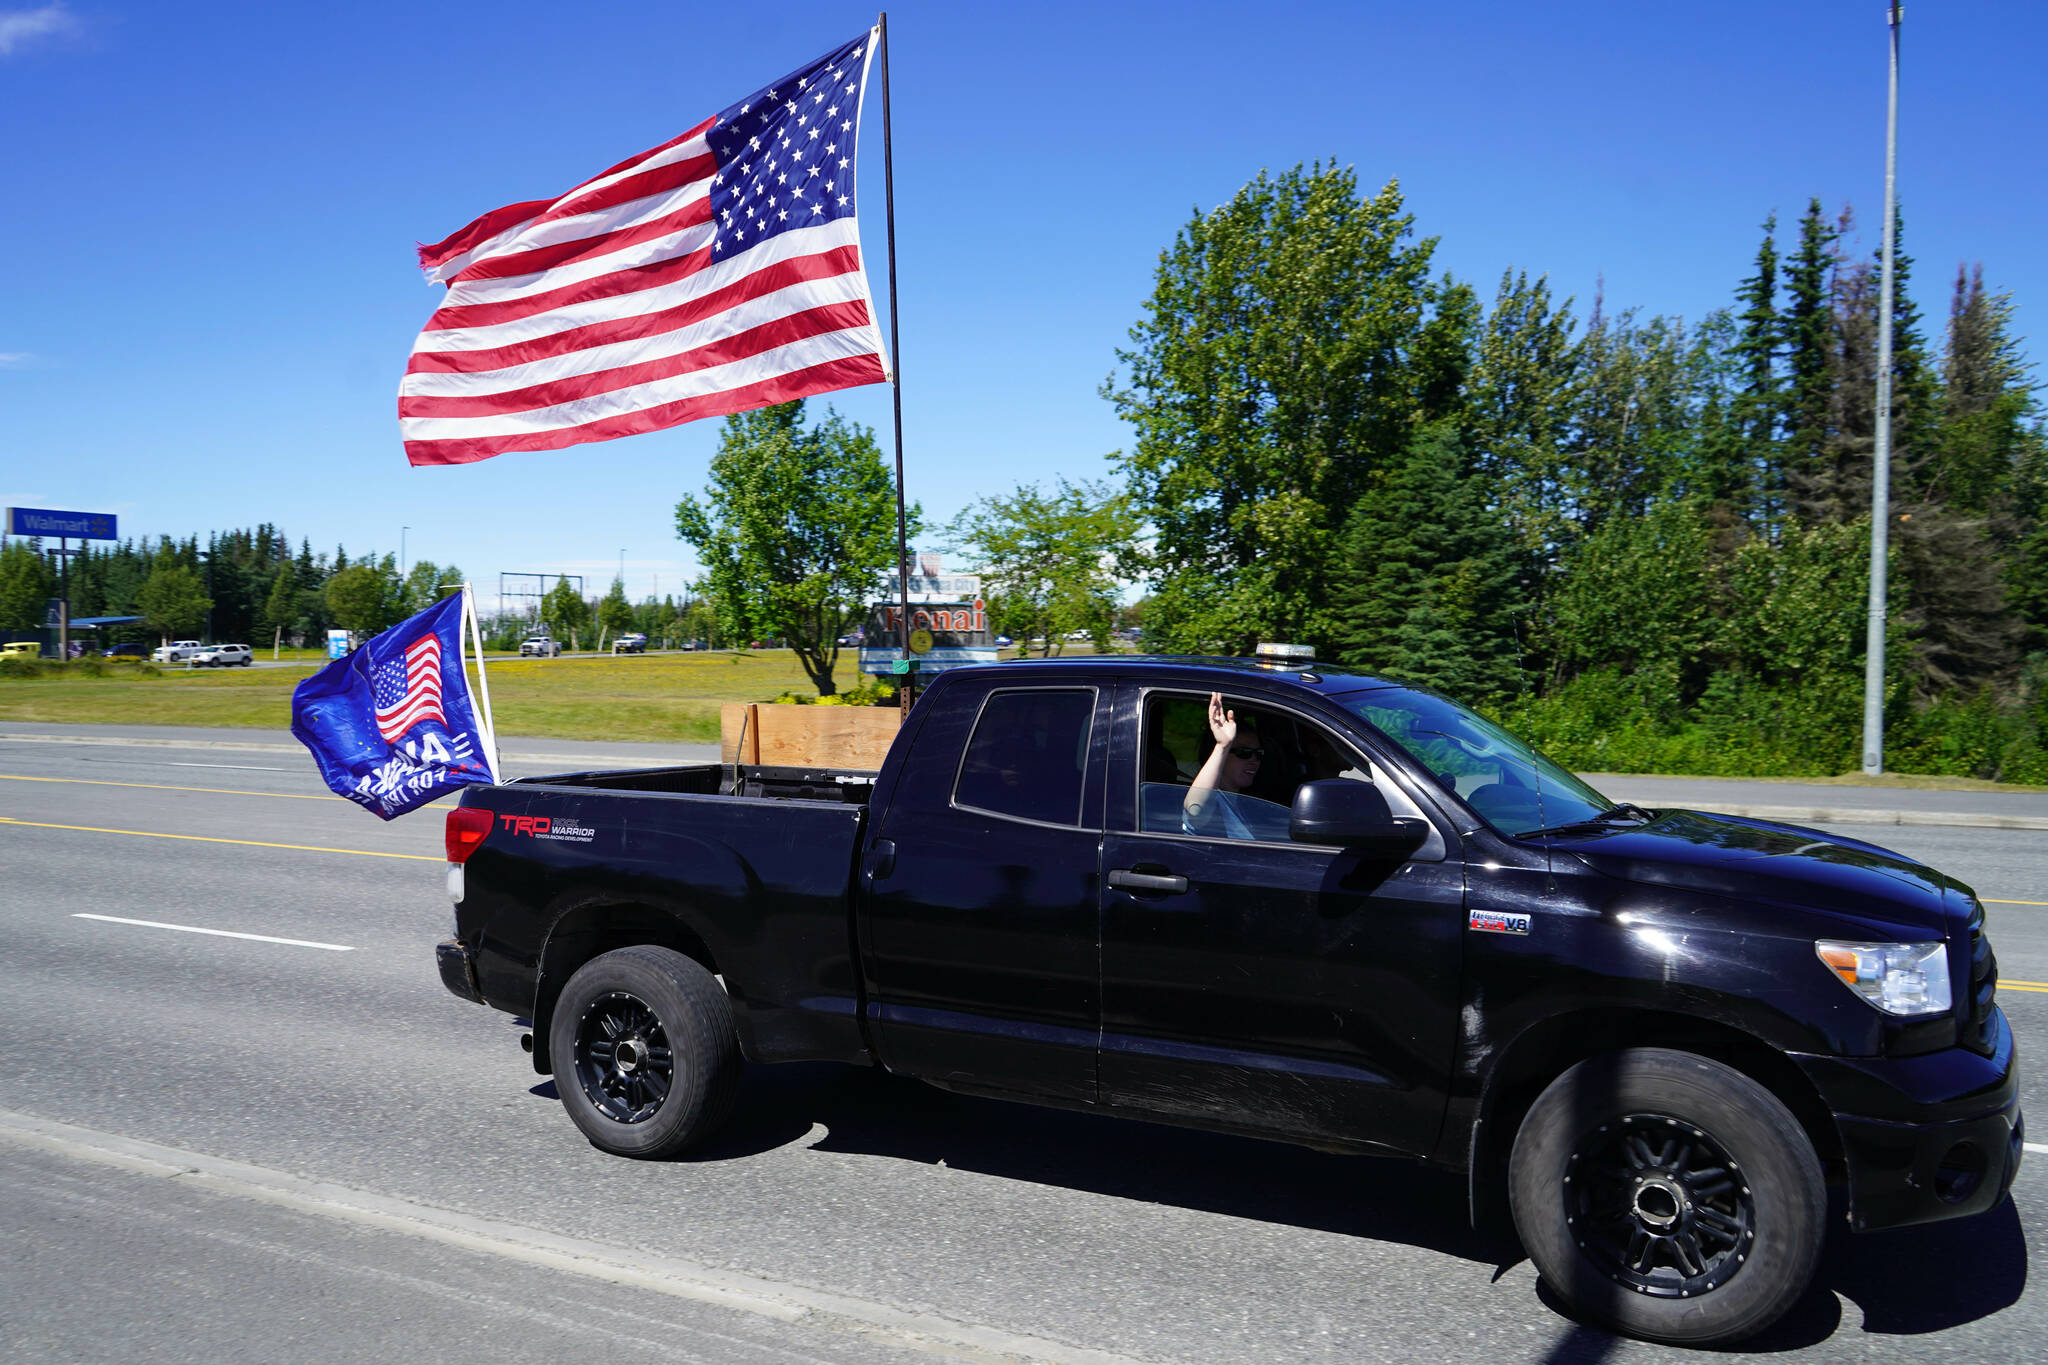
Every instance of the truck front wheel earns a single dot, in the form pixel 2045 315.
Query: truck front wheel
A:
pixel 647 1061
pixel 1668 1195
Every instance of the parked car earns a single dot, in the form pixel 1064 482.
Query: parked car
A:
pixel 540 647
pixel 132 649
pixel 22 649
pixel 222 656
pixel 631 643
pixel 1655 1038
pixel 177 651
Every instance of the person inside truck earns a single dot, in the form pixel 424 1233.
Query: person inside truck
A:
pixel 1218 802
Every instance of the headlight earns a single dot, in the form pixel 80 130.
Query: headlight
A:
pixel 1898 978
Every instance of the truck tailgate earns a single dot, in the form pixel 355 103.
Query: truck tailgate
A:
pixel 764 884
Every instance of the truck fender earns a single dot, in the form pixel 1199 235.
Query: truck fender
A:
pixel 586 924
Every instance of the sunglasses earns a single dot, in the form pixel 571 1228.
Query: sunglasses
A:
pixel 1246 751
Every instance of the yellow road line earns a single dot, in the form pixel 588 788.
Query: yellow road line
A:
pixel 164 787
pixel 208 839
pixel 2023 985
pixel 1991 900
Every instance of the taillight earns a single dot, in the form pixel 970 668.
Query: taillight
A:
pixel 467 827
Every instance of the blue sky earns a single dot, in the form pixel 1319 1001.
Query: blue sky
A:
pixel 208 290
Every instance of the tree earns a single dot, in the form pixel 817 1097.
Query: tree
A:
pixel 614 612
pixel 797 529
pixel 1048 559
pixel 1520 402
pixel 173 602
pixel 427 584
pixel 1638 595
pixel 1291 340
pixel 564 612
pixel 26 586
pixel 1809 340
pixel 281 607
pixel 364 597
pixel 1424 586
pixel 1759 405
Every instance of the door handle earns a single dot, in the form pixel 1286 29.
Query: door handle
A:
pixel 1130 879
pixel 881 859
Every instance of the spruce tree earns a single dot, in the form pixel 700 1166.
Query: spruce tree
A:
pixel 1424 586
pixel 1809 347
pixel 1758 409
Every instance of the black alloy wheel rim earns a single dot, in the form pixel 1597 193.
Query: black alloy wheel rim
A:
pixel 1659 1206
pixel 623 1060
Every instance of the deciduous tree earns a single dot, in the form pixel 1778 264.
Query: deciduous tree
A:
pixel 796 532
pixel 1292 339
pixel 1048 559
pixel 173 602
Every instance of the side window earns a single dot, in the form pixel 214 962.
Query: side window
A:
pixel 1028 755
pixel 1292 750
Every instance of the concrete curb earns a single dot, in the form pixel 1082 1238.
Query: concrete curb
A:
pixel 1858 815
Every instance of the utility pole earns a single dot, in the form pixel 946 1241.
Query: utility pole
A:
pixel 1881 453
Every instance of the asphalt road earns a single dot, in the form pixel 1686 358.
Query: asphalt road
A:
pixel 221 1148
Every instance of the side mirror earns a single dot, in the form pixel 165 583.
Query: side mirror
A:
pixel 1353 815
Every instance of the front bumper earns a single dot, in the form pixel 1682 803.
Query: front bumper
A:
pixel 1925 1138
pixel 458 969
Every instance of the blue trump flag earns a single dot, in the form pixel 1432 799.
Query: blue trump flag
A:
pixel 391 724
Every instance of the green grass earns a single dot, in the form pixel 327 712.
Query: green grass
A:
pixel 653 697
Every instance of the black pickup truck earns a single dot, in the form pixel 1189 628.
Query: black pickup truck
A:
pixel 1660 1039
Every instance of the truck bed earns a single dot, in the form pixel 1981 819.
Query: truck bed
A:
pixel 840 786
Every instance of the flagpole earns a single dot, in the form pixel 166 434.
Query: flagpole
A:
pixel 483 683
pixel 896 372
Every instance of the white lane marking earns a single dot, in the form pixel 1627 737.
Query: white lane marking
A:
pixel 220 933
pixel 785 1301
pixel 2039 1148
pixel 245 767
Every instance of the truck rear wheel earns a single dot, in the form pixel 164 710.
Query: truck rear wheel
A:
pixel 1669 1196
pixel 646 1058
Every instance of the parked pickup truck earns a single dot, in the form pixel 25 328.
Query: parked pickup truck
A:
pixel 1660 1039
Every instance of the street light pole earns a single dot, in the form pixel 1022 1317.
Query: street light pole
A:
pixel 1881 452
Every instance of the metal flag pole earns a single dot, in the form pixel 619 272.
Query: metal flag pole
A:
pixel 909 694
pixel 483 682
pixel 1881 454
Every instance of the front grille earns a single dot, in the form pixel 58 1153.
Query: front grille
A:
pixel 1978 1035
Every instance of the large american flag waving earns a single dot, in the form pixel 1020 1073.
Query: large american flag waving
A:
pixel 718 272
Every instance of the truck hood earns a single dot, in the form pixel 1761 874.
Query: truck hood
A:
pixel 1755 860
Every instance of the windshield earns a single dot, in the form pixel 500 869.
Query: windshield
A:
pixel 1514 788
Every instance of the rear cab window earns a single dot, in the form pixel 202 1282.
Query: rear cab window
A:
pixel 1028 755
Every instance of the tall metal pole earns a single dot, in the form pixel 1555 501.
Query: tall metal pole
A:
pixel 1881 453
pixel 896 373
pixel 401 551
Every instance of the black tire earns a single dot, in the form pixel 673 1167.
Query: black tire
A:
pixel 1669 1196
pixel 647 1061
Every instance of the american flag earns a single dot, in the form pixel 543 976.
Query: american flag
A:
pixel 408 690
pixel 718 272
